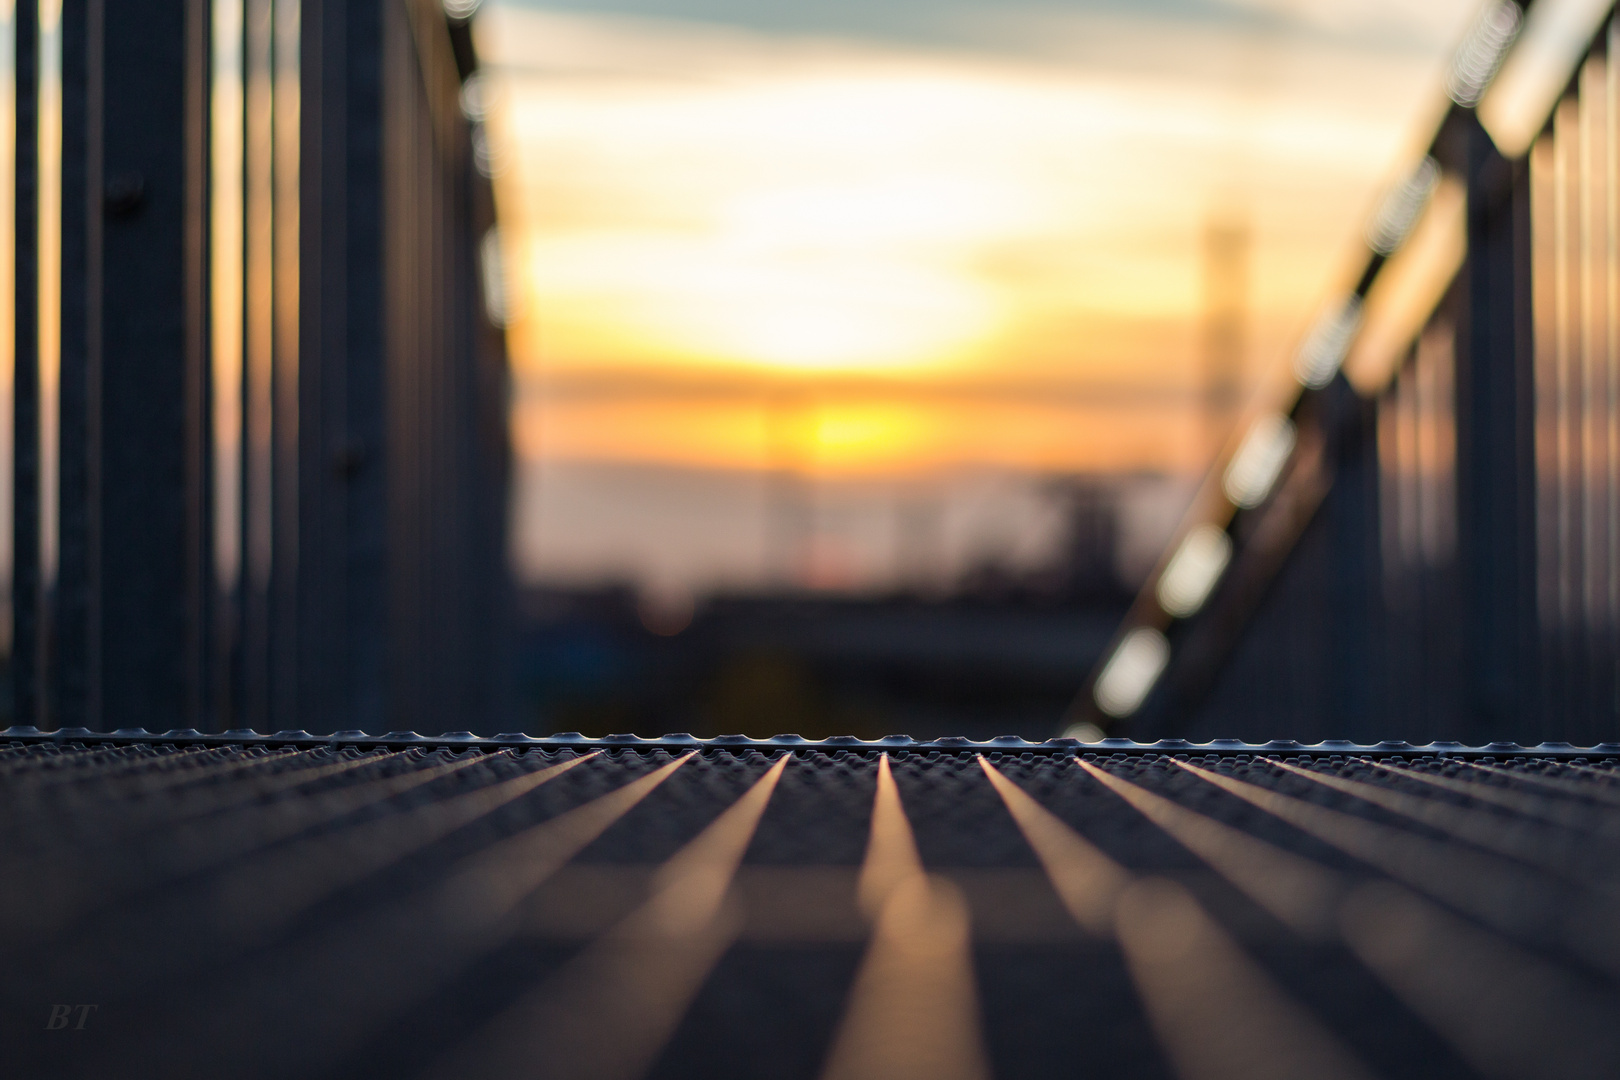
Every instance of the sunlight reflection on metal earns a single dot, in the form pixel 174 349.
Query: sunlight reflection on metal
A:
pixel 1556 850
pixel 1480 56
pixel 1401 208
pixel 1131 672
pixel 138 778
pixel 1193 570
pixel 263 895
pixel 1556 34
pixel 120 769
pixel 451 925
pixel 1324 349
pixel 495 280
pixel 1299 892
pixel 476 92
pixel 76 888
pixel 1502 893
pixel 1218 1015
pixel 500 876
pixel 1509 1013
pixel 913 1010
pixel 1575 789
pixel 1569 815
pixel 280 778
pixel 606 1015
pixel 1085 732
pixel 175 809
pixel 1409 288
pixel 1259 460
pixel 1587 770
pixel 1087 881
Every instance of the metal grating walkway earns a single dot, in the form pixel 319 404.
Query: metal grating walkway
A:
pixel 249 906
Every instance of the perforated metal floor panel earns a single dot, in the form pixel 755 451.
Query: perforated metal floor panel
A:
pixel 292 906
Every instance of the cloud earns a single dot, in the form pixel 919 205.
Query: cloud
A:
pixel 987 25
pixel 1426 26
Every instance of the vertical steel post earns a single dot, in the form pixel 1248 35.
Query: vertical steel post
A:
pixel 286 364
pixel 74 640
pixel 25 489
pixel 197 375
pixel 258 347
pixel 135 572
pixel 343 624
pixel 1496 504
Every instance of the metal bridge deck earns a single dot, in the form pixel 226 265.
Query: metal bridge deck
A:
pixel 295 905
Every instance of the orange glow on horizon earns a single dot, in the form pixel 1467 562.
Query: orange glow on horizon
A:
pixel 895 437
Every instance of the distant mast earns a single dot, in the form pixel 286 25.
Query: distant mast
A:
pixel 1225 304
pixel 789 496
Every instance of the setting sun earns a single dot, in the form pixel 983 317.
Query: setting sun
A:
pixel 751 251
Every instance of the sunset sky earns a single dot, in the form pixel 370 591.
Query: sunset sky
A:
pixel 927 229
pixel 895 242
